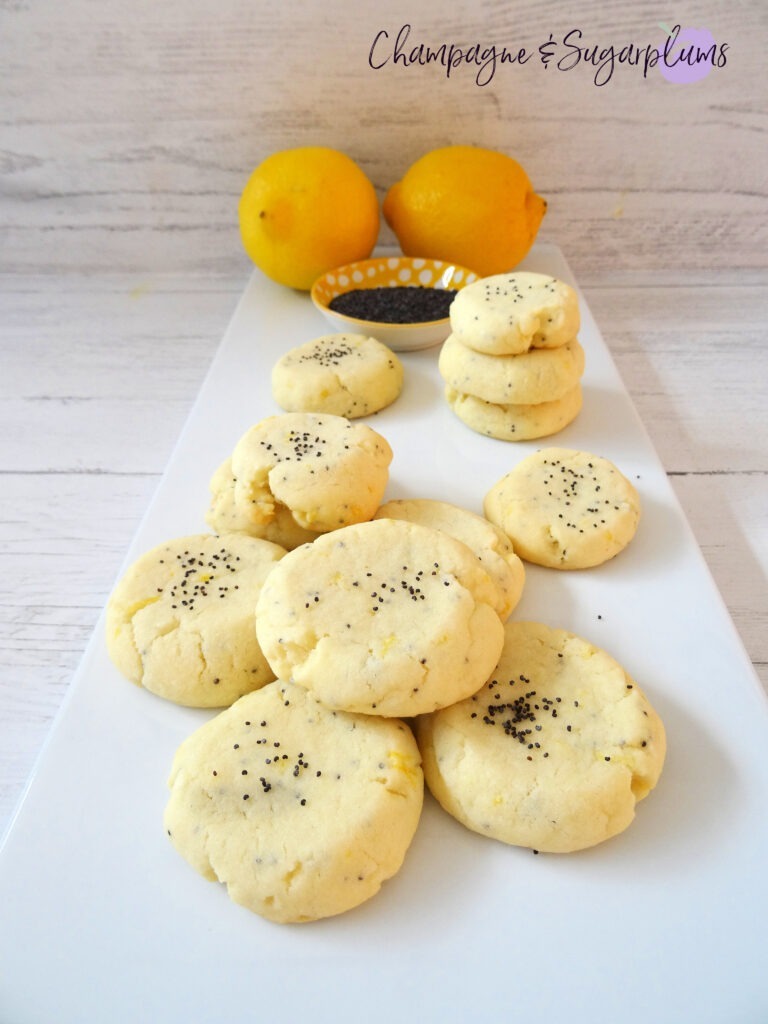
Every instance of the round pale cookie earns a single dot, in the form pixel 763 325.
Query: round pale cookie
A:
pixel 565 509
pixel 511 422
pixel 555 750
pixel 491 545
pixel 344 374
pixel 510 313
pixel 320 471
pixel 180 620
pixel 224 515
pixel 541 375
pixel 300 811
pixel 386 617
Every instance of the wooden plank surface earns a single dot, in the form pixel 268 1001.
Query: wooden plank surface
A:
pixel 127 140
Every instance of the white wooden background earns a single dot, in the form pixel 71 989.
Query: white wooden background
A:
pixel 126 135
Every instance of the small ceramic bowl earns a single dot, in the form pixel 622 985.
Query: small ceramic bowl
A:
pixel 389 272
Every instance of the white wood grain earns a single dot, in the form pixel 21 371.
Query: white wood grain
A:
pixel 125 141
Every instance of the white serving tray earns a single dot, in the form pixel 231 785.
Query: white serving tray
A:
pixel 101 920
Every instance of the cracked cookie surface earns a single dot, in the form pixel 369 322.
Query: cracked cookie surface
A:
pixel 553 753
pixel 344 374
pixel 179 622
pixel 386 617
pixel 296 475
pixel 565 509
pixel 302 812
pixel 491 545
pixel 507 314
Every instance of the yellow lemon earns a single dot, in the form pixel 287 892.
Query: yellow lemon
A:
pixel 468 205
pixel 307 210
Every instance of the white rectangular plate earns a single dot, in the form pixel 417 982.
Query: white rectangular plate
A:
pixel 103 921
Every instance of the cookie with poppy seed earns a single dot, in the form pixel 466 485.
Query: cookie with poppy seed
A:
pixel 314 471
pixel 386 618
pixel 179 622
pixel 565 509
pixel 301 812
pixel 540 375
pixel 344 374
pixel 513 422
pixel 491 545
pixel 507 314
pixel 553 753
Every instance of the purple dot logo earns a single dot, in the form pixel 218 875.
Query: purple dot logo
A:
pixel 687 54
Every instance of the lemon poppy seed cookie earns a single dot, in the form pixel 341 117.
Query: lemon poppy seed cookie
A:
pixel 314 471
pixel 491 545
pixel 565 509
pixel 301 812
pixel 225 515
pixel 385 617
pixel 553 753
pixel 540 375
pixel 513 422
pixel 507 314
pixel 180 620
pixel 344 374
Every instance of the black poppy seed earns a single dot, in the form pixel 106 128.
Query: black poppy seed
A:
pixel 398 304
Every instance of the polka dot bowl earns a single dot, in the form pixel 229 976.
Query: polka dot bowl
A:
pixel 390 272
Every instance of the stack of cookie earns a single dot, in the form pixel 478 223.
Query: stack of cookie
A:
pixel 513 364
